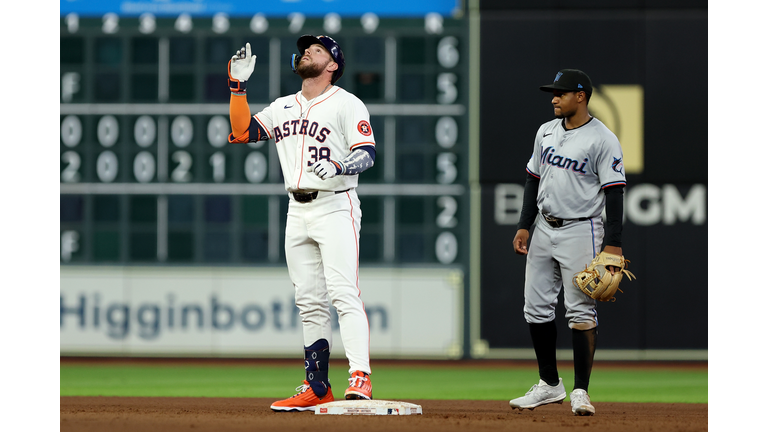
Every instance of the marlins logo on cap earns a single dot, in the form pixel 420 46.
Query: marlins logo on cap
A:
pixel 570 80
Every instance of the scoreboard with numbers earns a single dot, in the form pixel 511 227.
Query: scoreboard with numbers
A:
pixel 147 175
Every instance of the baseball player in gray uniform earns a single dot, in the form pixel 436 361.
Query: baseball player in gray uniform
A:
pixel 575 172
pixel 324 141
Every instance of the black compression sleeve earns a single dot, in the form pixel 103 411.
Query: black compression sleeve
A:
pixel 530 209
pixel 614 215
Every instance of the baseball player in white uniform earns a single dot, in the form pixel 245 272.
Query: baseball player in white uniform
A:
pixel 575 171
pixel 324 141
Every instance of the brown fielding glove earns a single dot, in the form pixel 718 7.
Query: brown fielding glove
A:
pixel 597 281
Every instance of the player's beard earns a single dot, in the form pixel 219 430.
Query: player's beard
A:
pixel 310 69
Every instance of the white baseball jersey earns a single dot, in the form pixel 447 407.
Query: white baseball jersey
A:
pixel 574 166
pixel 329 126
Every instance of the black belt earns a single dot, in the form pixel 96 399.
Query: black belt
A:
pixel 309 196
pixel 557 222
pixel 304 197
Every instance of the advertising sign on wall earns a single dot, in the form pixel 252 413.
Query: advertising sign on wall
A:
pixel 247 312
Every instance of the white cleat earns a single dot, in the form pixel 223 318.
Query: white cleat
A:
pixel 580 404
pixel 540 394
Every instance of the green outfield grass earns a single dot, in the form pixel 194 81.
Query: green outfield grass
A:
pixel 389 382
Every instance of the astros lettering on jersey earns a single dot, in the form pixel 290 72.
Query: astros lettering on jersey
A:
pixel 303 135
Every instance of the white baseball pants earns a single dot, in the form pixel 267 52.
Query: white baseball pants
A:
pixel 322 239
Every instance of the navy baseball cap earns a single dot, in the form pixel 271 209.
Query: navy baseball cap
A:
pixel 568 80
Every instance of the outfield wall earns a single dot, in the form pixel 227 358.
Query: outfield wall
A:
pixel 445 196
pixel 644 59
pixel 230 312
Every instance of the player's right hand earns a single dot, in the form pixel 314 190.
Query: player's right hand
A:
pixel 242 63
pixel 520 243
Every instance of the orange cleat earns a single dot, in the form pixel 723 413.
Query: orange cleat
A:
pixel 304 400
pixel 359 387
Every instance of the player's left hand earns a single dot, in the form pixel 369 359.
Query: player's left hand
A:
pixel 595 280
pixel 615 250
pixel 325 169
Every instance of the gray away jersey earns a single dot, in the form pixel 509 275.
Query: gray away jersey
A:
pixel 574 166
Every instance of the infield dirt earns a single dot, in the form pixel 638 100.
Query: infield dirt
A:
pixel 170 414
pixel 81 413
